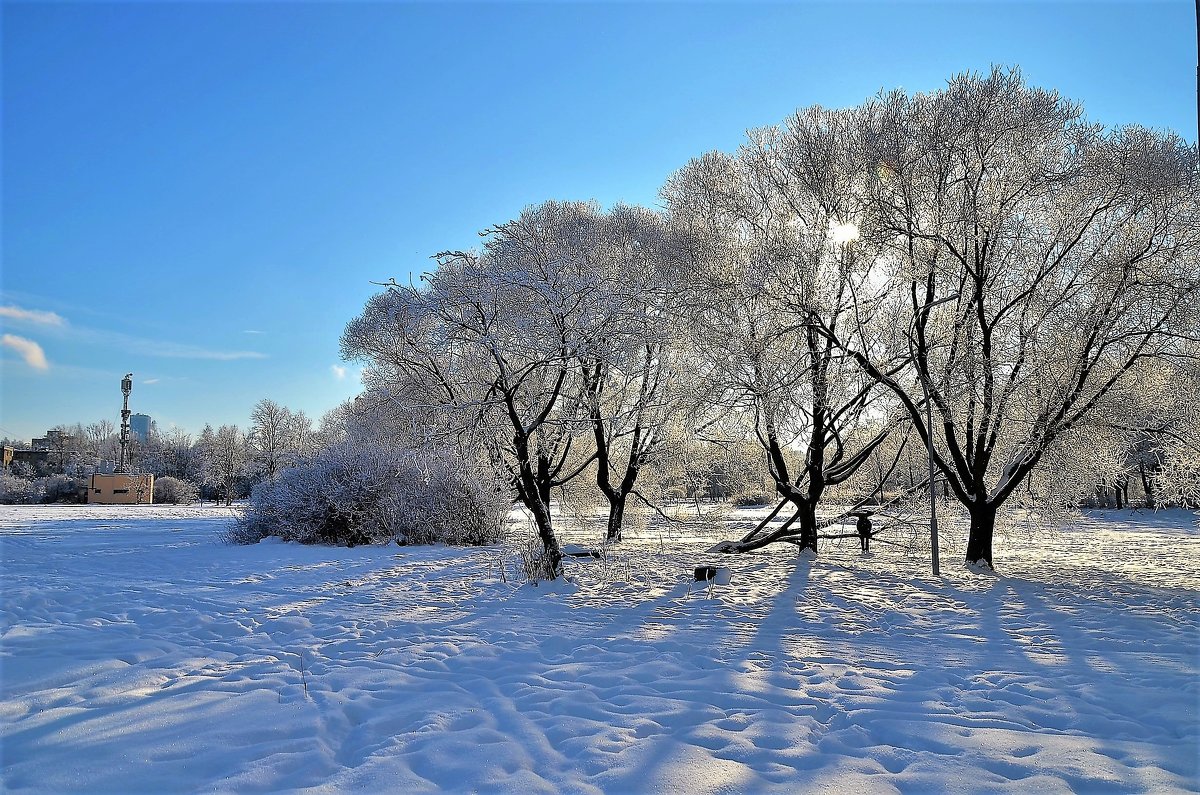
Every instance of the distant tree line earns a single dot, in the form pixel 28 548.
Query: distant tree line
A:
pixel 220 465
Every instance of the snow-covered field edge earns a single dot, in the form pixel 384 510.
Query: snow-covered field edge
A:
pixel 139 653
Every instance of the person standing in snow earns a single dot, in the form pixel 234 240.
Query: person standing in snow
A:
pixel 864 531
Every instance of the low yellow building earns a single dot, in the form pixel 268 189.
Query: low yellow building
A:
pixel 121 489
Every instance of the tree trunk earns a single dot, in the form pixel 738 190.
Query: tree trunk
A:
pixel 533 489
pixel 983 528
pixel 541 518
pixel 1147 484
pixel 808 525
pixel 616 516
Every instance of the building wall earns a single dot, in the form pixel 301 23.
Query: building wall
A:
pixel 121 489
pixel 32 457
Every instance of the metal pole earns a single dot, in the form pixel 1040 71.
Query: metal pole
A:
pixel 933 530
pixel 924 375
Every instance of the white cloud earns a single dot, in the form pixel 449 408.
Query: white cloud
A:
pixel 251 331
pixel 147 346
pixel 128 343
pixel 32 315
pixel 175 350
pixel 339 372
pixel 150 381
pixel 30 351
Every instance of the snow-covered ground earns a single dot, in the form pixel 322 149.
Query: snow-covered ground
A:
pixel 140 654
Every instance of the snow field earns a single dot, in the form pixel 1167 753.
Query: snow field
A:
pixel 139 654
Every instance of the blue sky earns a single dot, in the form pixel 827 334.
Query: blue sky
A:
pixel 202 193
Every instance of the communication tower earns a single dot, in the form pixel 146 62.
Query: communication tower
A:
pixel 126 388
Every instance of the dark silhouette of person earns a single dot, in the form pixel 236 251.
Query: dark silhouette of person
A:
pixel 864 531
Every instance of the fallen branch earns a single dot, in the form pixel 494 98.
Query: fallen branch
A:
pixel 766 521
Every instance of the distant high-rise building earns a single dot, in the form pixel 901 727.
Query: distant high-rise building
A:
pixel 139 424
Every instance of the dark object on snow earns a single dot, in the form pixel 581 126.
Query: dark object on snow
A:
pixel 716 574
pixel 723 546
pixel 863 526
pixel 713 575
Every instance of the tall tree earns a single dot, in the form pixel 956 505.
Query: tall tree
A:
pixel 631 372
pixel 100 442
pixel 488 346
pixel 278 437
pixel 177 452
pixel 1037 259
pixel 776 226
pixel 228 461
pixel 202 463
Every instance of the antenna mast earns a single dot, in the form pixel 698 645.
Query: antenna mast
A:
pixel 126 388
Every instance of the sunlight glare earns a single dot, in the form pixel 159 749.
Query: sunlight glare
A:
pixel 843 233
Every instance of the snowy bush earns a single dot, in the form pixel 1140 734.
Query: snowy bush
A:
pixel 18 491
pixel 62 488
pixel 52 488
pixel 174 491
pixel 367 493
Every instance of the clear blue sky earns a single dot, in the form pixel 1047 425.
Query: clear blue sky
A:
pixel 202 193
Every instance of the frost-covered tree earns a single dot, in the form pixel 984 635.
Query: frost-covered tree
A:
pixel 776 231
pixel 278 437
pixel 228 453
pixel 1122 442
pixel 100 443
pixel 63 442
pixel 1037 260
pixel 631 370
pixel 202 464
pixel 176 447
pixel 1175 437
pixel 487 347
pixel 549 349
